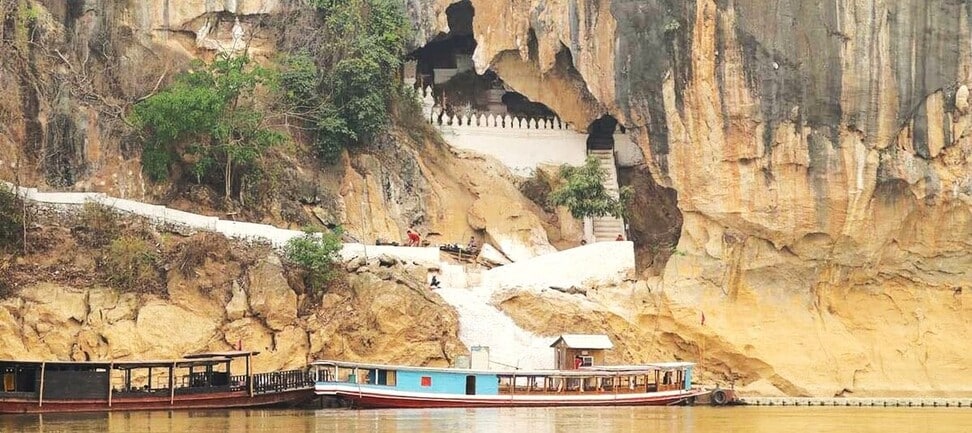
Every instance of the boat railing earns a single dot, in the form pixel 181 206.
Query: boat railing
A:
pixel 282 381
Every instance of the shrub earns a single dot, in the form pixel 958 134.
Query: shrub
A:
pixel 131 265
pixel 582 192
pixel 11 220
pixel 315 254
pixel 192 253
pixel 98 225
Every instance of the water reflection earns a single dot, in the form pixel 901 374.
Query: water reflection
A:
pixel 554 420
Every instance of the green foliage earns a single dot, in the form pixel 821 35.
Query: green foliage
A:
pixel 343 77
pixel 130 264
pixel 11 220
pixel 211 110
pixel 582 192
pixel 315 253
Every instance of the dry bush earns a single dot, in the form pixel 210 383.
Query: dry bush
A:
pixel 538 187
pixel 11 221
pixel 193 252
pixel 131 264
pixel 98 225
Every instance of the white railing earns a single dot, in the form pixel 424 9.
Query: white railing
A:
pixel 164 216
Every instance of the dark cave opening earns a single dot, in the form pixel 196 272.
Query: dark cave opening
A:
pixel 446 65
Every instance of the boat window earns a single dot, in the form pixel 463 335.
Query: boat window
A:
pixel 426 381
pixel 587 361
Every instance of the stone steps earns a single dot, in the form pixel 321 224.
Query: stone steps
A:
pixel 608 228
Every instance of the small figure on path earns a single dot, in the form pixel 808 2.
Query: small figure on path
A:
pixel 619 238
pixel 413 238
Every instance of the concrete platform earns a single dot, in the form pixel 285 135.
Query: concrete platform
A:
pixel 858 402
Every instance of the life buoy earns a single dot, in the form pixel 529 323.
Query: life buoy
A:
pixel 720 397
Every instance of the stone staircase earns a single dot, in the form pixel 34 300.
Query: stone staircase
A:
pixel 608 228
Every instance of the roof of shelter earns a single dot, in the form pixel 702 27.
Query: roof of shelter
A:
pixel 585 341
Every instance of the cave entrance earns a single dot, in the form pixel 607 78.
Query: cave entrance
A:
pixel 445 64
pixel 601 133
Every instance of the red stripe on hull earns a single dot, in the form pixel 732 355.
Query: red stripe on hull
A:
pixel 367 401
pixel 228 400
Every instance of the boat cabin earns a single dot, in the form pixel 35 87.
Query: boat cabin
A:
pixel 573 351
pixel 648 378
pixel 108 380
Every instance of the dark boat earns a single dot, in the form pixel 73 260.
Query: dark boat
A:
pixel 197 381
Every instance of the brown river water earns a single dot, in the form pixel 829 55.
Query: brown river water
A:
pixel 557 420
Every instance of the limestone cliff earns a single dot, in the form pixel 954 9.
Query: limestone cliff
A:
pixel 813 161
pixel 820 154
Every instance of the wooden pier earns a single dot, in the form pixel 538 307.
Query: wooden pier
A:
pixel 857 402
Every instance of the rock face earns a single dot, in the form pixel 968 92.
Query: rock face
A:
pixel 818 152
pixel 385 313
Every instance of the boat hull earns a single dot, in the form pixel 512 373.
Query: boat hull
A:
pixel 367 398
pixel 222 400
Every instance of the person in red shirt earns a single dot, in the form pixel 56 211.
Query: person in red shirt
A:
pixel 578 362
pixel 413 238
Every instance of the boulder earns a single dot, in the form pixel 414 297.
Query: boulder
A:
pixel 236 308
pixel 271 297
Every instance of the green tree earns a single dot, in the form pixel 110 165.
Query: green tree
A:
pixel 342 78
pixel 582 191
pixel 211 110
pixel 315 253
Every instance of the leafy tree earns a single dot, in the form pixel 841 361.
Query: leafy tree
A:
pixel 211 110
pixel 315 253
pixel 342 76
pixel 582 191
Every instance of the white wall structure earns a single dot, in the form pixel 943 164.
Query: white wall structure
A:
pixel 521 144
pixel 600 263
pixel 163 216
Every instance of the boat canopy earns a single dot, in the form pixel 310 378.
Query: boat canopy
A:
pixel 123 365
pixel 581 372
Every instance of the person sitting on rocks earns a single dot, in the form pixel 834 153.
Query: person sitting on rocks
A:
pixel 435 282
pixel 471 246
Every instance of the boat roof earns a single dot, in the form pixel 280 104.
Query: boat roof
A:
pixel 225 354
pixel 605 370
pixel 585 341
pixel 182 362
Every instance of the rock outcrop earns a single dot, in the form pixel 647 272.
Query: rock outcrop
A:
pixel 819 154
pixel 384 311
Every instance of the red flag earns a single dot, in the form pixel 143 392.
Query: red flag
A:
pixel 703 318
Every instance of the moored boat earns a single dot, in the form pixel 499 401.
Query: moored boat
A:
pixel 202 380
pixel 364 385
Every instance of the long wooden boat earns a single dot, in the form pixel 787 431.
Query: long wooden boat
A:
pixel 395 386
pixel 202 380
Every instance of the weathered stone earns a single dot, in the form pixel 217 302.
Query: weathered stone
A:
pixel 271 298
pixel 236 308
pixel 174 330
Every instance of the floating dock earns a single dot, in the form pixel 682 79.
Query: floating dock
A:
pixel 857 402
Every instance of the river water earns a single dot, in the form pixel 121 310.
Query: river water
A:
pixel 555 420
